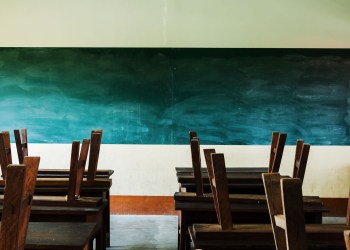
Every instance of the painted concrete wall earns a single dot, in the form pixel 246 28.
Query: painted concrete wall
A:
pixel 175 23
pixel 149 170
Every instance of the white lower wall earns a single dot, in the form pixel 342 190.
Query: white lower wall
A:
pixel 150 169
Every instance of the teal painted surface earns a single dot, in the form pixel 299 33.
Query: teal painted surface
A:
pixel 155 96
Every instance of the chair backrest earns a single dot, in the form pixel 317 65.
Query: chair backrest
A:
pixel 278 142
pixel 347 239
pixel 285 204
pixel 5 152
pixel 209 163
pixel 18 196
pixel 96 137
pixel 77 167
pixel 196 165
pixel 300 160
pixel 21 144
pixel 220 191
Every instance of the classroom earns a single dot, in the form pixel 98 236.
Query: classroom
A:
pixel 134 77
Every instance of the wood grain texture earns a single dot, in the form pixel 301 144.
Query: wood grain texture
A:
pixel 293 212
pixel 96 138
pixel 32 165
pixel 10 221
pixel 81 163
pixel 73 170
pixel 5 152
pixel 274 202
pixel 196 165
pixel 301 162
pixel 209 162
pixel 221 194
pixel 281 142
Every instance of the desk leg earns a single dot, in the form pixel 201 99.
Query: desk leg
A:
pixel 100 233
pixel 182 231
pixel 107 219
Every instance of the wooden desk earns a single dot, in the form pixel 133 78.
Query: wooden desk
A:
pixel 259 236
pixel 59 235
pixel 64 173
pixel 245 208
pixel 59 186
pixel 240 180
pixel 61 213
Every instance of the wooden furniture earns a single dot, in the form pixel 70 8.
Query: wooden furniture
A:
pixel 245 208
pixel 240 180
pixel 347 239
pixel 16 233
pixel 56 205
pixel 17 203
pixel 59 235
pixel 228 235
pixel 285 204
pixel 92 183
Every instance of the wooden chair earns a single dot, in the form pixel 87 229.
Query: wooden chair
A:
pixel 347 239
pixel 285 205
pixel 214 236
pixel 21 144
pixel 300 161
pixel 188 178
pixel 5 152
pixel 85 209
pixel 20 183
pixel 193 206
pixel 242 235
pixel 91 173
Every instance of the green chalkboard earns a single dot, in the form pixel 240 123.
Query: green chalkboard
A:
pixel 155 96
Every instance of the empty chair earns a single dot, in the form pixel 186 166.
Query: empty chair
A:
pixel 20 183
pixel 285 203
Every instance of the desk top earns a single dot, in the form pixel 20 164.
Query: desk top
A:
pixel 64 173
pixel 64 182
pixel 58 235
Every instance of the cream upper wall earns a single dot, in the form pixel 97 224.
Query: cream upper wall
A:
pixel 175 23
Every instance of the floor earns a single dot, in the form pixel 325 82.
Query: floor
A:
pixel 145 232
pixel 136 232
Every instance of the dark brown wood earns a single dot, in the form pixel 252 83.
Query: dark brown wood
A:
pixel 275 206
pixel 73 170
pixel 277 158
pixel 59 235
pixel 259 236
pixel 273 150
pixel 288 224
pixel 96 137
pixel 196 164
pixel 221 191
pixel 10 221
pixel 24 142
pixel 292 219
pixel 209 162
pixel 300 160
pixel 347 239
pixel 21 144
pixel 64 173
pixel 5 151
pixel 192 134
pixel 32 165
pixel 81 165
